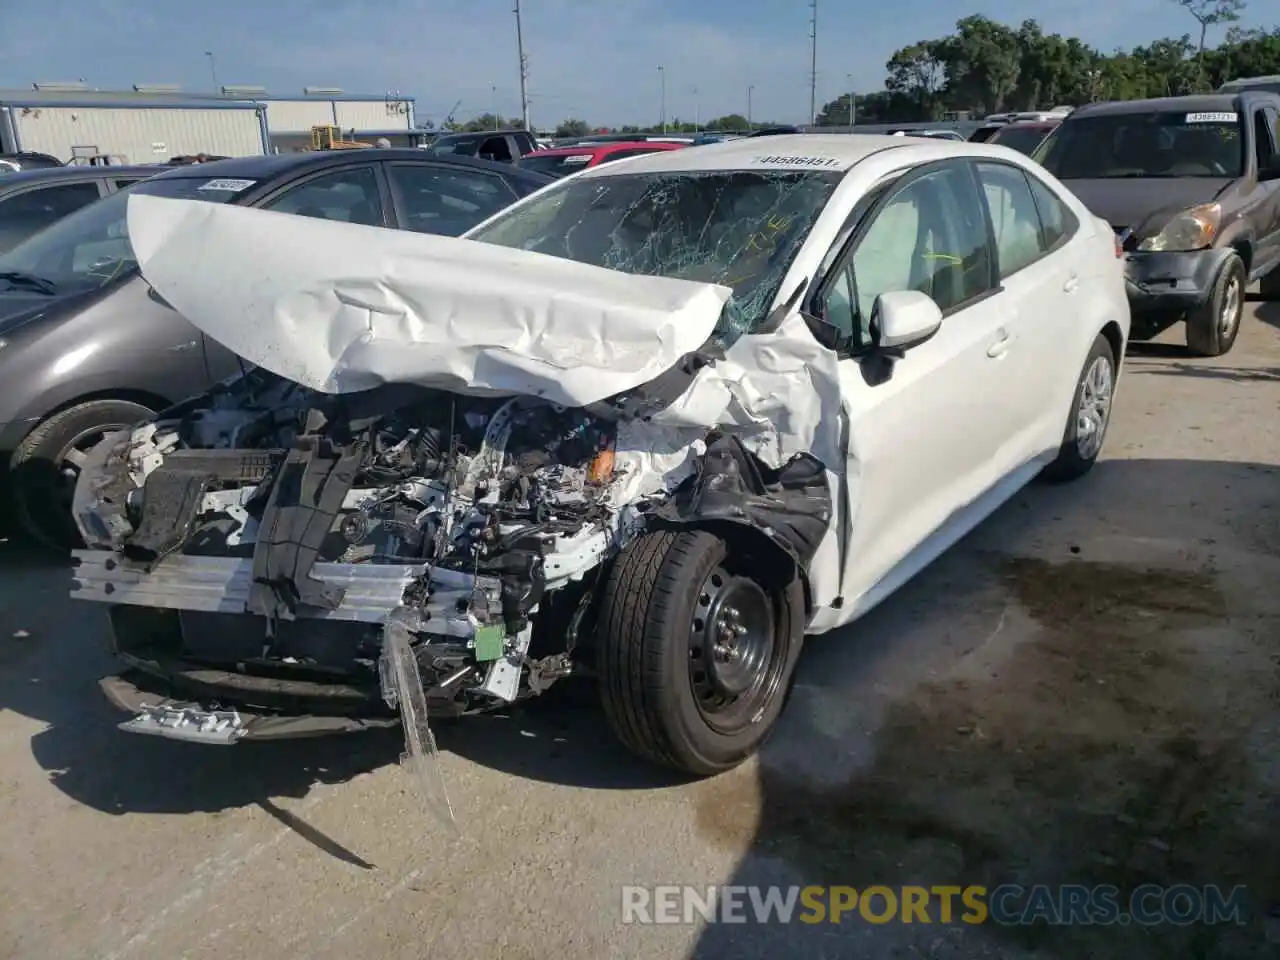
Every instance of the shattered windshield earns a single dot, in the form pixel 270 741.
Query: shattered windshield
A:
pixel 737 228
pixel 90 248
pixel 1139 145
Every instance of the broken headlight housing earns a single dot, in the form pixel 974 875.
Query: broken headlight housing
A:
pixel 1192 229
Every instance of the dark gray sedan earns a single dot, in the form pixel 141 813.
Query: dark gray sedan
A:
pixel 86 347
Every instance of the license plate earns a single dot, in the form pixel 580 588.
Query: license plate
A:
pixel 221 727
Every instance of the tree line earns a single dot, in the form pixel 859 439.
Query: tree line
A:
pixel 989 67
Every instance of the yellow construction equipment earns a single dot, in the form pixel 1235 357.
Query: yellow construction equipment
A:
pixel 329 137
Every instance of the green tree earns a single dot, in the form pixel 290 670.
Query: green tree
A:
pixel 917 73
pixel 982 61
pixel 572 128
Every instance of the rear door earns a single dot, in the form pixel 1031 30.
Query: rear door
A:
pixel 1040 280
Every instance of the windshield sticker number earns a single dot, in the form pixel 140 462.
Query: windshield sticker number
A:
pixel 800 161
pixel 235 186
pixel 1212 117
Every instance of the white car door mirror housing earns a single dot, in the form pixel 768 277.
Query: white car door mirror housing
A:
pixel 905 318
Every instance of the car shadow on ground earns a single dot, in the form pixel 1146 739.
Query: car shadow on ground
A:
pixel 1087 701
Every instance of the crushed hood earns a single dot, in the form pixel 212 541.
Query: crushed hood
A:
pixel 342 307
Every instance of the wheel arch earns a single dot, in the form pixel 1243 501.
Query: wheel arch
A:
pixel 145 398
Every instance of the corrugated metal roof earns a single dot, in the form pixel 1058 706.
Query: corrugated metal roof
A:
pixel 133 98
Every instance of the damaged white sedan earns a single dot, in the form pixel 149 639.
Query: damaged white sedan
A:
pixel 653 424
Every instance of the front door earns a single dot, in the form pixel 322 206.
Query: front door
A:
pixel 923 441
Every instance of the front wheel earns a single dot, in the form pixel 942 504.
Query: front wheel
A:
pixel 1213 326
pixel 1089 417
pixel 695 655
pixel 46 466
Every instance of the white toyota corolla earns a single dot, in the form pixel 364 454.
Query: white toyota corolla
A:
pixel 652 424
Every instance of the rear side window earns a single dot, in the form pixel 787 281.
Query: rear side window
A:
pixel 443 201
pixel 349 195
pixel 45 205
pixel 1015 222
pixel 1057 221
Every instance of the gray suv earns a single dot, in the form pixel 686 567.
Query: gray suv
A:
pixel 87 347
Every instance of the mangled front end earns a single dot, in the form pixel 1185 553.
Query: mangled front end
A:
pixel 354 545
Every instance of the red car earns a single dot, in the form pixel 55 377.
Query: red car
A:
pixel 562 161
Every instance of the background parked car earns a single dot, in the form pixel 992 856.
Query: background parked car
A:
pixel 501 146
pixel 1191 187
pixel 562 161
pixel 85 345
pixel 32 199
pixel 1023 137
pixel 13 162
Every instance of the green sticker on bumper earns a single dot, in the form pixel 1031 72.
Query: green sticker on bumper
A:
pixel 490 643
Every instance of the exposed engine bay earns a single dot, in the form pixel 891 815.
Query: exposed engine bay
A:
pixel 483 506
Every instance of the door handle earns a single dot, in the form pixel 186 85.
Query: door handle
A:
pixel 1069 285
pixel 1001 346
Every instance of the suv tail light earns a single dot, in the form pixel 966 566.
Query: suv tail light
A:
pixel 1119 247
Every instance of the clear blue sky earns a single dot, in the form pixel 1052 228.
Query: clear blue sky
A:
pixel 597 61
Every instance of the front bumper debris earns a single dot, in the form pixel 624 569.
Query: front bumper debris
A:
pixel 1170 282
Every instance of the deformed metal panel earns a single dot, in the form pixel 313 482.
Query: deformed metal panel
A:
pixel 140 134
pixel 221 585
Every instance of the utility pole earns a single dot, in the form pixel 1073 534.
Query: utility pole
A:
pixel 662 101
pixel 493 94
pixel 697 112
pixel 524 71
pixel 213 70
pixel 813 62
pixel 750 87
pixel 852 98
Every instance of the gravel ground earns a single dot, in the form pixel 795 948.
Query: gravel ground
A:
pixel 1085 690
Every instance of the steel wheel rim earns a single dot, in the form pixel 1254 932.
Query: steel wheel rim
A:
pixel 71 459
pixel 1232 302
pixel 1094 410
pixel 735 659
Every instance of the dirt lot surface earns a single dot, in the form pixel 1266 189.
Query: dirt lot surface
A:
pixel 1085 690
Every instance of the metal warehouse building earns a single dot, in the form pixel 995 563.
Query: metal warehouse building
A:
pixel 151 123
pixel 290 119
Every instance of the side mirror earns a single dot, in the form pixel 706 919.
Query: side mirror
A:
pixel 904 318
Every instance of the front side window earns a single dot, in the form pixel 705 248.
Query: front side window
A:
pixel 447 202
pixel 90 248
pixel 738 228
pixel 1141 145
pixel 930 236
pixel 1015 221
pixel 348 195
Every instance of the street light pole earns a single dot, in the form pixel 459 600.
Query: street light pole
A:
pixel 493 93
pixel 524 71
pixel 852 98
pixel 813 63
pixel 662 103
pixel 697 112
pixel 213 69
pixel 750 87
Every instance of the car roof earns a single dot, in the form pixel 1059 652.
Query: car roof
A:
pixel 53 174
pixel 597 148
pixel 799 151
pixel 1198 103
pixel 274 165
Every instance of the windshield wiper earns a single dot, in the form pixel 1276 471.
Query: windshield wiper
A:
pixel 19 279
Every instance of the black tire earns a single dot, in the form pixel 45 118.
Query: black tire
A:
pixel 1269 286
pixel 650 652
pixel 39 467
pixel 1209 332
pixel 1072 461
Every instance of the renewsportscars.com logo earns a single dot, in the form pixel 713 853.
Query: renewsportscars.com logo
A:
pixel 1006 905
